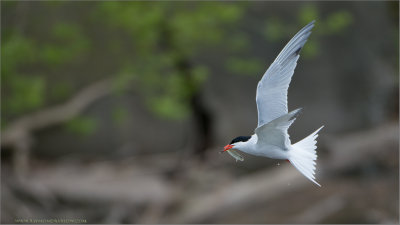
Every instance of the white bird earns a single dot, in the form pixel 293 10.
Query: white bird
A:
pixel 271 138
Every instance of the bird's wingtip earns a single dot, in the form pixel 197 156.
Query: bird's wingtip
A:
pixel 311 24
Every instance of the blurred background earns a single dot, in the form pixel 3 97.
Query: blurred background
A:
pixel 115 112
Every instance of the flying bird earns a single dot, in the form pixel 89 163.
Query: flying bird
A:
pixel 271 138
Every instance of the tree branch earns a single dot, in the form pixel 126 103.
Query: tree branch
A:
pixel 18 135
pixel 345 152
pixel 21 129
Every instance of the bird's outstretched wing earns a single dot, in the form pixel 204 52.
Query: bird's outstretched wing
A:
pixel 275 132
pixel 272 89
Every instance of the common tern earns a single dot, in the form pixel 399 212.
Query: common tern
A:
pixel 271 138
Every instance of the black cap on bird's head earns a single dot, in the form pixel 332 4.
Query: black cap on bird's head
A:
pixel 240 139
pixel 235 140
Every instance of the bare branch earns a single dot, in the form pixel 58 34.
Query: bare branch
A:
pixel 347 151
pixel 21 129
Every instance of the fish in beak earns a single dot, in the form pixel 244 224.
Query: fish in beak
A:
pixel 227 147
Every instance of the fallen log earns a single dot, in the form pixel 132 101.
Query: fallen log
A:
pixel 346 151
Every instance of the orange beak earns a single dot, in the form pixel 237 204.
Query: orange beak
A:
pixel 227 147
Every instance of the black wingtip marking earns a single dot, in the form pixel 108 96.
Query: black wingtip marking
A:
pixel 297 52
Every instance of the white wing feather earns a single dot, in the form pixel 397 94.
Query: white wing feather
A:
pixel 275 132
pixel 272 89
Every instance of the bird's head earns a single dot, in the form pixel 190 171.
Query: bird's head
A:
pixel 236 142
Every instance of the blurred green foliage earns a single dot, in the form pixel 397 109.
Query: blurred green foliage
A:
pixel 26 92
pixel 244 66
pixel 25 88
pixel 334 23
pixel 338 21
pixel 67 42
pixel 307 13
pixel 16 50
pixel 60 91
pixel 154 46
pixel 81 125
pixel 119 115
pixel 165 39
pixel 274 30
pixel 162 38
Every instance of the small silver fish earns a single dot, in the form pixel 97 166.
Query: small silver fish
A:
pixel 235 155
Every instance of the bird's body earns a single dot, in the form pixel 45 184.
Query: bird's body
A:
pixel 258 149
pixel 271 138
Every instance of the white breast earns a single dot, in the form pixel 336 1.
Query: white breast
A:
pixel 270 151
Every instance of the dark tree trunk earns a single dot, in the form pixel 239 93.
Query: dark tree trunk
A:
pixel 201 116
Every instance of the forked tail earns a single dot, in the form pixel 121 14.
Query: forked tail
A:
pixel 303 155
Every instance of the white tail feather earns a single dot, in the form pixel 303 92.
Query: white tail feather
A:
pixel 303 155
